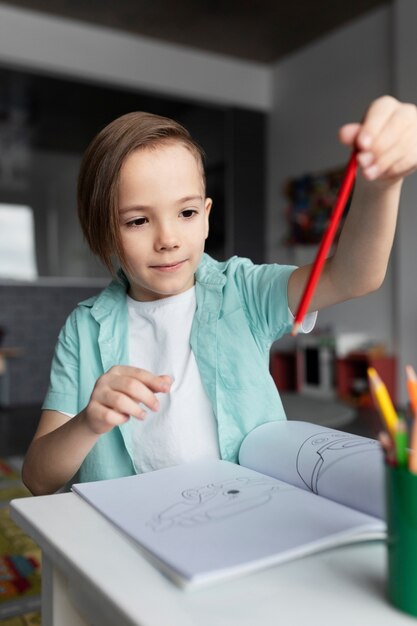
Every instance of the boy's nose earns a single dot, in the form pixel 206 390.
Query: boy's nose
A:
pixel 167 239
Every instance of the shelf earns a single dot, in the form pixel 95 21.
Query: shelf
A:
pixel 352 378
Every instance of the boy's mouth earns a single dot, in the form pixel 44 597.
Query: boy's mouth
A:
pixel 168 267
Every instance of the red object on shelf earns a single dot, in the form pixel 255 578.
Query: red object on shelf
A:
pixel 283 370
pixel 351 376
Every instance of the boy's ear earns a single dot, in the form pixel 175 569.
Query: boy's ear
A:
pixel 207 208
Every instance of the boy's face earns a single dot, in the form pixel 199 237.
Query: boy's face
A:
pixel 163 218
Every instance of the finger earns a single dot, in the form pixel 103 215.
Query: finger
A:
pixel 166 380
pixel 154 382
pixel 390 145
pixel 395 132
pixel 158 384
pixel 120 403
pixel 112 418
pixel 101 418
pixel 348 133
pixel 398 169
pixel 393 162
pixel 135 391
pixel 375 119
pixel 382 168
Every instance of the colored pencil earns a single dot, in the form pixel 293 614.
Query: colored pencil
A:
pixel 388 447
pixel 343 196
pixel 401 443
pixel 412 394
pixel 383 401
pixel 412 459
pixel 412 388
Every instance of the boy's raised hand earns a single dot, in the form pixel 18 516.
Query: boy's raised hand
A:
pixel 117 394
pixel 386 140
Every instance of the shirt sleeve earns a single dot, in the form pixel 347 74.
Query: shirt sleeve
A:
pixel 308 323
pixel 62 394
pixel 264 294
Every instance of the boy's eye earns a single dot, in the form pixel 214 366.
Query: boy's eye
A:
pixel 138 221
pixel 188 213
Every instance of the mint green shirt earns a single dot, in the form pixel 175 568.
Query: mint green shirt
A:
pixel 242 309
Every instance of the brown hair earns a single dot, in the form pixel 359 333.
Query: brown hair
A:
pixel 98 180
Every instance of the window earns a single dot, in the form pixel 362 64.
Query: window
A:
pixel 17 242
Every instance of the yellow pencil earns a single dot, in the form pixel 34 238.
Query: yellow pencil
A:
pixel 383 401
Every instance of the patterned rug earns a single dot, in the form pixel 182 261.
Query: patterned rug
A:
pixel 20 559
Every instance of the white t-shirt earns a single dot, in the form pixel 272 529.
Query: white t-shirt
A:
pixel 185 427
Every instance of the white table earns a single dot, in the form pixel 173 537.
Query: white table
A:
pixel 92 574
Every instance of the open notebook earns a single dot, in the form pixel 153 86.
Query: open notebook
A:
pixel 299 488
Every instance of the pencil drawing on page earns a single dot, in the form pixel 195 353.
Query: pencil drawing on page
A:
pixel 214 502
pixel 321 451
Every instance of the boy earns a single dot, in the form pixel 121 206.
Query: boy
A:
pixel 177 332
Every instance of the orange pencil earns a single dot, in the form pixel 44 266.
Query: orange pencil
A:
pixel 412 388
pixel 412 457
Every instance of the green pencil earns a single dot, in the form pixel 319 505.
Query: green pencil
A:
pixel 401 443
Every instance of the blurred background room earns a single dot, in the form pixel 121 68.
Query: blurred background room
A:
pixel 264 87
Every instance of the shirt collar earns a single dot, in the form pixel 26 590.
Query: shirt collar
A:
pixel 208 273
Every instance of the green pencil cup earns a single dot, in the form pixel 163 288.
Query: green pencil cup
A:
pixel 401 502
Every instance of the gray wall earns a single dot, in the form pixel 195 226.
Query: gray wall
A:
pixel 32 316
pixel 65 47
pixel 315 91
pixel 404 294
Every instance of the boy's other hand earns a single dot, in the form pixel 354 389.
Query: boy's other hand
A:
pixel 386 140
pixel 118 393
